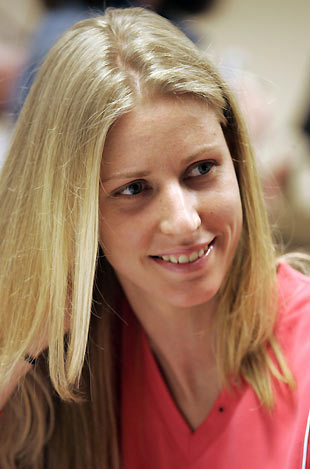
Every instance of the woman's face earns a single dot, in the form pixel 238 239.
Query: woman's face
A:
pixel 170 209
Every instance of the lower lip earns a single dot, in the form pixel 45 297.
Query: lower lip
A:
pixel 190 266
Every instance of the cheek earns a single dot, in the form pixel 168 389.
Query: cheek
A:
pixel 120 234
pixel 225 208
pixel 109 230
pixel 232 199
pixel 235 215
pixel 233 205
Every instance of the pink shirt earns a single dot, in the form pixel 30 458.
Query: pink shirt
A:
pixel 238 433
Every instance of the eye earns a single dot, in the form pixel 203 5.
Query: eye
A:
pixel 199 169
pixel 133 188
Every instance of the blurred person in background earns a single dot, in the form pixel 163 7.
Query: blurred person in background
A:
pixel 61 14
pixel 18 67
pixel 146 319
pixel 273 147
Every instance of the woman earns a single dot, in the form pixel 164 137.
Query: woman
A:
pixel 178 328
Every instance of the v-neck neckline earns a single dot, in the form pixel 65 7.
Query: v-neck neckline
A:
pixel 191 442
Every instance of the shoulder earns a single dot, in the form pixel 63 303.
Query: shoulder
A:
pixel 286 273
pixel 293 322
pixel 293 319
pixel 293 290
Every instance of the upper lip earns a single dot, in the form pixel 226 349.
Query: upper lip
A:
pixel 182 250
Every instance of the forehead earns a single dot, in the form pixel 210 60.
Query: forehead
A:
pixel 162 129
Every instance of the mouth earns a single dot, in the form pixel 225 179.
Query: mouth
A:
pixel 187 258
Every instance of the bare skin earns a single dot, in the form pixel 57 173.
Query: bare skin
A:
pixel 186 358
pixel 169 188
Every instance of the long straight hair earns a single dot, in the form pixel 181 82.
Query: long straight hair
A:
pixel 65 413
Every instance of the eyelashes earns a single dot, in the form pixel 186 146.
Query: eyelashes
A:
pixel 200 169
pixel 135 188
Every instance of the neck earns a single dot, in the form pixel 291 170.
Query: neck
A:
pixel 182 340
pixel 170 327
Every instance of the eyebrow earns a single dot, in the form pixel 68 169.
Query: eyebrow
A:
pixel 203 151
pixel 127 175
pixel 142 174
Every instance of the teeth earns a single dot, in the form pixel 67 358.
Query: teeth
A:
pixel 184 259
pixel 193 256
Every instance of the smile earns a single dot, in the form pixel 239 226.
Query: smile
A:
pixel 187 259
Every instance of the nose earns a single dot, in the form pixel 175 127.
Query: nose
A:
pixel 178 212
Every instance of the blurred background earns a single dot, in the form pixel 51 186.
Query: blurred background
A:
pixel 261 48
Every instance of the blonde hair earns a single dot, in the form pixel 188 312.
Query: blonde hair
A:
pixel 98 71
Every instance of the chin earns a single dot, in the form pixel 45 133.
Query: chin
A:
pixel 192 301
